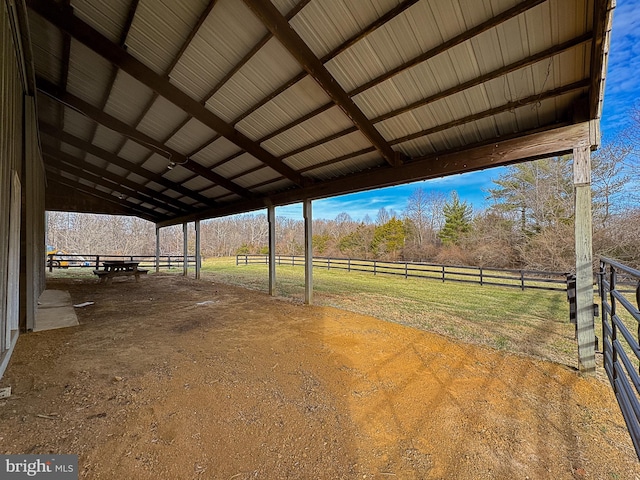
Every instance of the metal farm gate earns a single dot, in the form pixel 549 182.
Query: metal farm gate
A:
pixel 618 284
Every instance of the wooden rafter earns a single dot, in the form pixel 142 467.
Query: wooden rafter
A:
pixel 192 33
pixel 292 13
pixel 491 23
pixel 256 48
pixel 85 174
pixel 507 107
pixel 101 45
pixel 280 28
pixel 114 70
pixel 524 146
pixel 122 163
pixel 146 141
pixel 127 207
pixel 387 17
pixel 438 128
pixel 80 201
pixel 577 102
pixel 134 189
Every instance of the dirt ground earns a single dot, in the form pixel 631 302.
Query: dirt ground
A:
pixel 173 378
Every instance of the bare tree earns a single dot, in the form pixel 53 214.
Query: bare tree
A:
pixel 424 209
pixel 382 217
pixel 609 180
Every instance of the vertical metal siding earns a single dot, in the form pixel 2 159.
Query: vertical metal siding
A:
pixel 32 275
pixel 10 156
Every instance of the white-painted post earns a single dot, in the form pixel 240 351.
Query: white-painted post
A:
pixel 584 260
pixel 185 250
pixel 157 249
pixel 308 252
pixel 198 258
pixel 271 218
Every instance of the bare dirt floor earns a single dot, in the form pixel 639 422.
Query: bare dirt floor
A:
pixel 174 378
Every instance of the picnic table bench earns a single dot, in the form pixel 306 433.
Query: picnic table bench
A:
pixel 119 268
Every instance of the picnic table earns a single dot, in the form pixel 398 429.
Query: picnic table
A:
pixel 119 268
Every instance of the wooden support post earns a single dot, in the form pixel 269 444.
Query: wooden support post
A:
pixel 308 252
pixel 584 258
pixel 157 249
pixel 198 258
pixel 271 218
pixel 185 251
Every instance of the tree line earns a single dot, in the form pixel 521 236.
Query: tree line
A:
pixel 528 223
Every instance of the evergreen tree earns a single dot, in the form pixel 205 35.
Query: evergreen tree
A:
pixel 457 220
pixel 388 239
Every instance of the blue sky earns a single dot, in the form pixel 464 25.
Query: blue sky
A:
pixel 622 92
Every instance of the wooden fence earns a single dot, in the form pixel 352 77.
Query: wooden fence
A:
pixel 522 279
pixel 69 260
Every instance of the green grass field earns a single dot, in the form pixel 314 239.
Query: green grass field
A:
pixel 530 322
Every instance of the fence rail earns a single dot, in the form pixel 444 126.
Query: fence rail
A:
pixel 73 260
pixel 522 279
pixel 620 347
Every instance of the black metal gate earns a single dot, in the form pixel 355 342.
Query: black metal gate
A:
pixel 618 284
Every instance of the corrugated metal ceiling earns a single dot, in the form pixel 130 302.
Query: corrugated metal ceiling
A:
pixel 271 113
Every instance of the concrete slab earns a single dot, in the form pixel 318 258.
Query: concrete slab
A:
pixel 55 310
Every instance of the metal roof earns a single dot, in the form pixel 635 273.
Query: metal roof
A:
pixel 175 111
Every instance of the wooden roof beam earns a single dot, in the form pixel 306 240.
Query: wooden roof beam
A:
pixel 390 15
pixel 146 141
pixel 280 28
pixel 68 199
pixel 122 163
pixel 101 45
pixel 124 192
pixel 550 52
pixel 509 106
pixel 536 144
pixel 130 208
pixel 133 6
pixel 143 193
pixel 463 37
pixel 203 16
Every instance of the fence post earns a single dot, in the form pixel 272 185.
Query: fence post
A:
pixel 97 262
pixel 374 267
pixel 168 262
pixel 349 264
pixel 522 279
pixel 329 263
pixel 406 270
pixel 480 276
pixel 443 274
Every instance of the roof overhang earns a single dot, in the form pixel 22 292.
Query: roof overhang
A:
pixel 177 111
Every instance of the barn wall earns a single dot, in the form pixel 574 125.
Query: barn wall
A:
pixel 21 188
pixel 32 245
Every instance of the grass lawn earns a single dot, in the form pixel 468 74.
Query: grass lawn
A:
pixel 530 322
